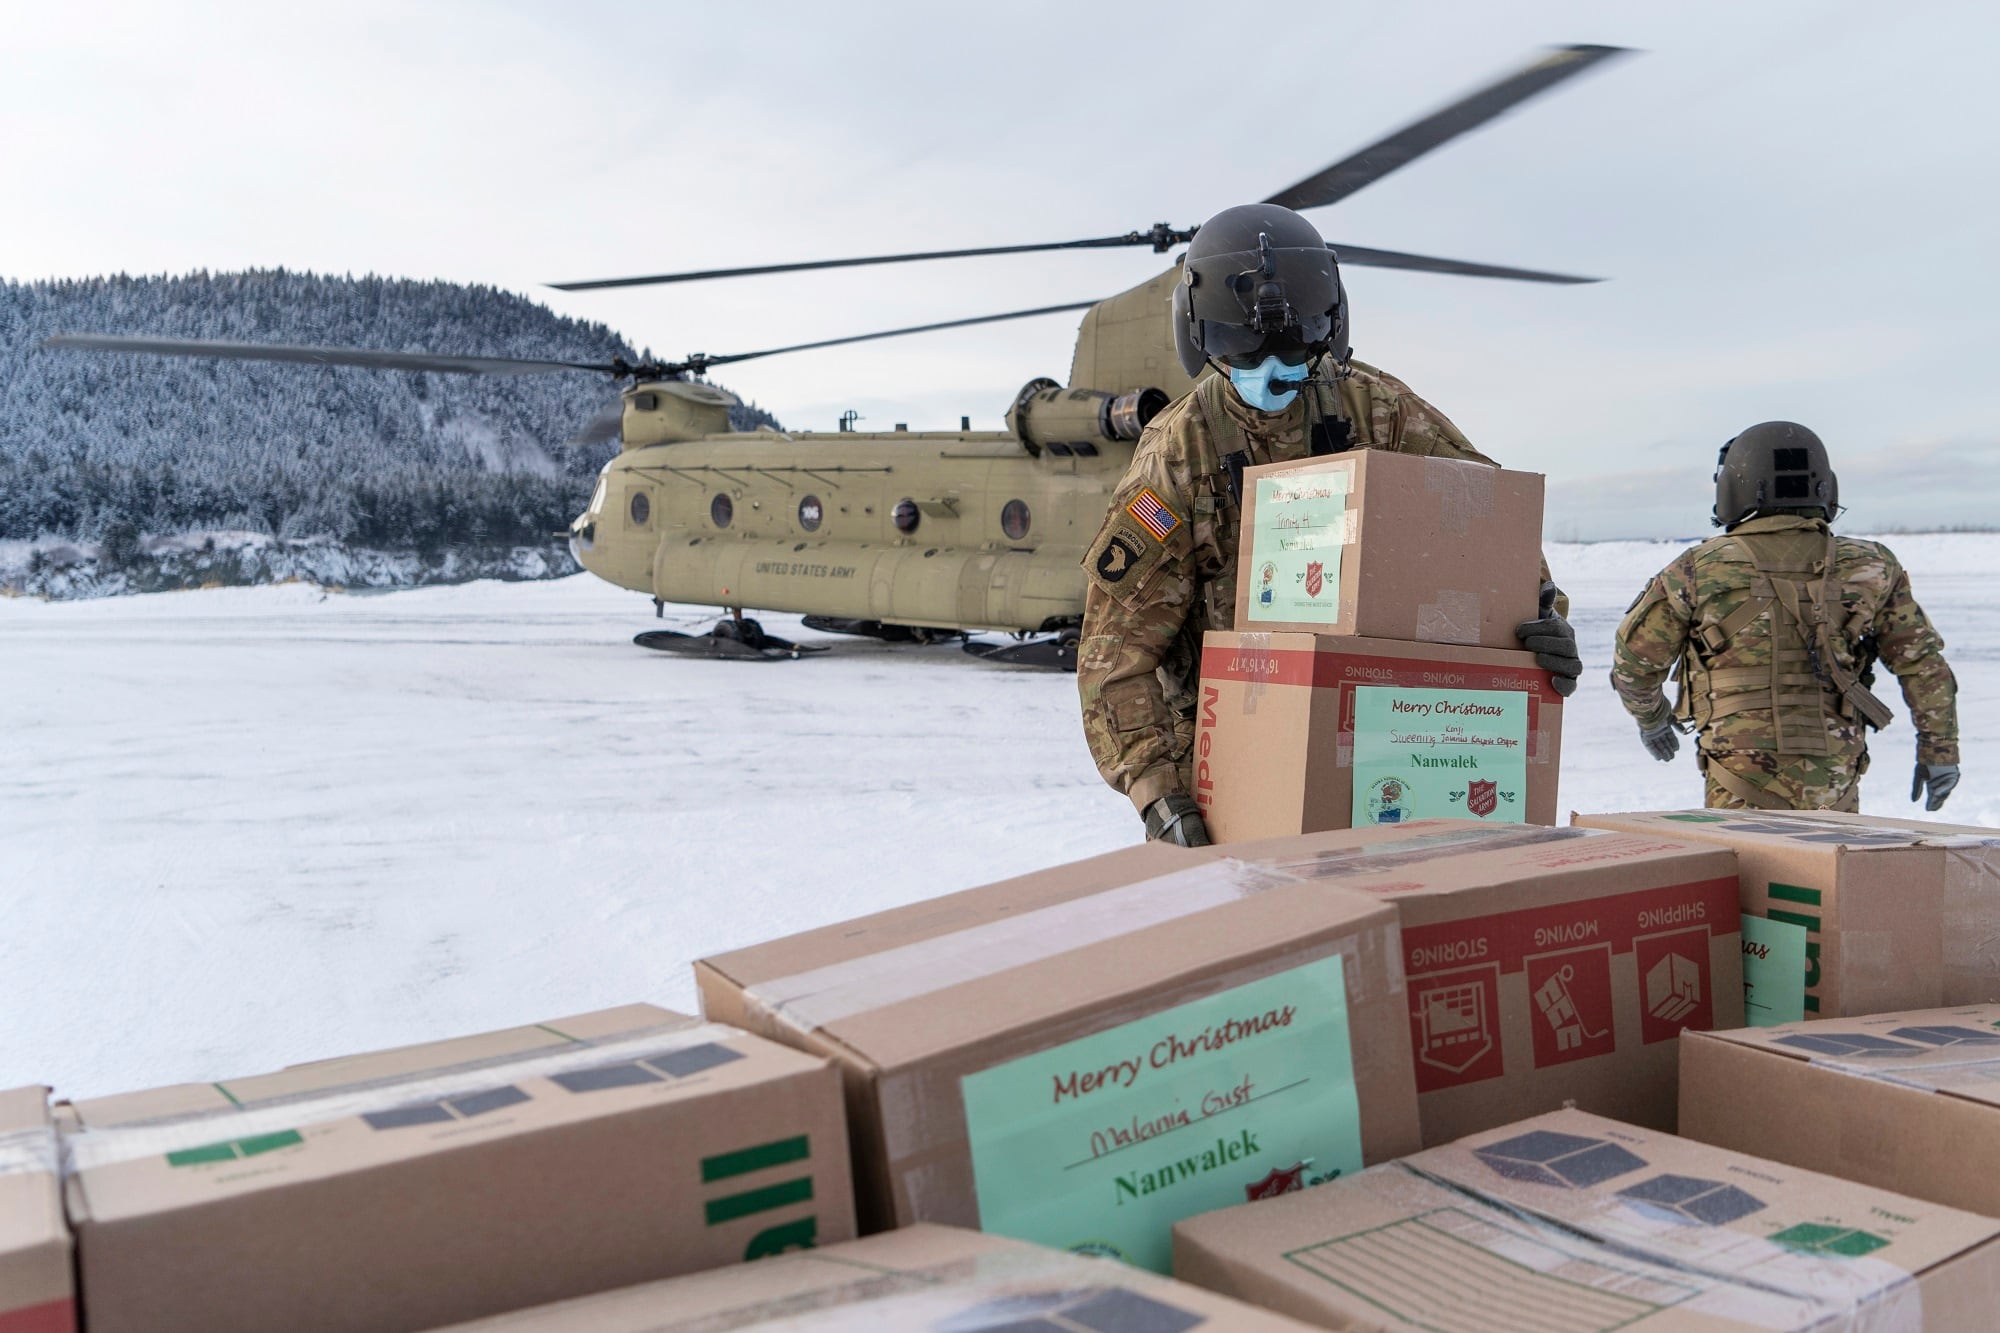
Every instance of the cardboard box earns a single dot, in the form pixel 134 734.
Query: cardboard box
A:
pixel 1081 1057
pixel 1296 733
pixel 1574 1222
pixel 1845 915
pixel 1544 966
pixel 922 1277
pixel 35 1282
pixel 1908 1102
pixel 1390 546
pixel 444 1182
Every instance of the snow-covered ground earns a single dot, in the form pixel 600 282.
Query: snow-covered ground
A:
pixel 251 826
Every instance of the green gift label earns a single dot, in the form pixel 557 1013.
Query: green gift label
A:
pixel 1295 545
pixel 1774 972
pixel 1103 1143
pixel 1422 753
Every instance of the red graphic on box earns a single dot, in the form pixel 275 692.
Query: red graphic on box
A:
pixel 1282 1180
pixel 1674 990
pixel 1572 999
pixel 1315 578
pixel 1482 797
pixel 1455 1027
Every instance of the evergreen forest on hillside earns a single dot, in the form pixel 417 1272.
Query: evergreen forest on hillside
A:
pixel 97 446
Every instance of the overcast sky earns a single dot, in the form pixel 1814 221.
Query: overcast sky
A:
pixel 1795 202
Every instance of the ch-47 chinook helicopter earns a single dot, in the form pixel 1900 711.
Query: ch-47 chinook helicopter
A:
pixel 907 536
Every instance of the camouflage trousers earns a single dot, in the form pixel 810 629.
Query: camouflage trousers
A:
pixel 1783 782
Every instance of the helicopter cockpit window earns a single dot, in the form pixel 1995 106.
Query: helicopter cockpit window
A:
pixel 720 511
pixel 597 496
pixel 646 402
pixel 641 509
pixel 1014 519
pixel 906 516
pixel 810 513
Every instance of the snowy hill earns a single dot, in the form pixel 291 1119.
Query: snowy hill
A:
pixel 100 452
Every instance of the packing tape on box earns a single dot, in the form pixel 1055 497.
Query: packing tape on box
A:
pixel 1015 1288
pixel 1971 918
pixel 1376 858
pixel 1464 490
pixel 90 1148
pixel 1453 618
pixel 1597 1241
pixel 29 1150
pixel 810 1000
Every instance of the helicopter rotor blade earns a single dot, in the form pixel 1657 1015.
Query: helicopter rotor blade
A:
pixel 1360 256
pixel 1336 182
pixel 1160 237
pixel 326 356
pixel 700 363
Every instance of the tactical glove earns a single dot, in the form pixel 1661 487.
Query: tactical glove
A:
pixel 1934 782
pixel 1662 742
pixel 1553 643
pixel 1176 818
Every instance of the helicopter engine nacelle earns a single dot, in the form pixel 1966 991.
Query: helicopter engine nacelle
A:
pixel 669 411
pixel 1076 421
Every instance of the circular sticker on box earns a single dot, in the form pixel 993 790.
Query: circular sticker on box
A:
pixel 1389 801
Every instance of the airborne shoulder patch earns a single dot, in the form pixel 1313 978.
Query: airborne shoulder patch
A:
pixel 1122 560
pixel 1117 558
pixel 1152 514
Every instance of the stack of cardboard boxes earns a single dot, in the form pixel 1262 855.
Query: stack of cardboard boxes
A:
pixel 1374 676
pixel 1472 1037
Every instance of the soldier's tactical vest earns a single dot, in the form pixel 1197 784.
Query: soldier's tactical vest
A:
pixel 1786 650
pixel 1330 432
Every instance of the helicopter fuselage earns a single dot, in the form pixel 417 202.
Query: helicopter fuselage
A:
pixel 960 530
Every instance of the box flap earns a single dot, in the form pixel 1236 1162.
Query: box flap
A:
pixel 1953 1051
pixel 922 1276
pixel 141 1153
pixel 1807 829
pixel 993 970
pixel 34 1242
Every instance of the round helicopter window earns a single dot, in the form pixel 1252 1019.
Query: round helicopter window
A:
pixel 641 508
pixel 720 511
pixel 810 513
pixel 906 516
pixel 1014 519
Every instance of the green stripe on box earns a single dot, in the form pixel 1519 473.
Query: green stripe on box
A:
pixel 286 1138
pixel 1793 893
pixel 733 1206
pixel 745 1160
pixel 1811 923
pixel 208 1152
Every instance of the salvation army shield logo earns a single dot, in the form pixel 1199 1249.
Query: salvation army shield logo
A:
pixel 1482 797
pixel 1315 578
pixel 1282 1180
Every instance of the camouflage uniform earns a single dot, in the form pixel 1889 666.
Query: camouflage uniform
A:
pixel 1776 731
pixel 1150 599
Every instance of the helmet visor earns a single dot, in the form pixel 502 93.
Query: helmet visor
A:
pixel 1245 298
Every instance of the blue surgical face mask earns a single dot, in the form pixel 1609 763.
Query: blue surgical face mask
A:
pixel 1261 386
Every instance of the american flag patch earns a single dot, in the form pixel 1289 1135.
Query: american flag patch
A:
pixel 1153 516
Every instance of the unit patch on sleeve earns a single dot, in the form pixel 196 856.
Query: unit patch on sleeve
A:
pixel 1117 558
pixel 1153 515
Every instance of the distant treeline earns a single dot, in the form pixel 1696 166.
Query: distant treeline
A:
pixel 95 444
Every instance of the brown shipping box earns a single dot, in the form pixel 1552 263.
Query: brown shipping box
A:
pixel 1391 546
pixel 922 1277
pixel 1296 733
pixel 1543 966
pixel 35 1291
pixel 1846 915
pixel 1908 1102
pixel 1081 1057
pixel 1570 1221
pixel 453 1180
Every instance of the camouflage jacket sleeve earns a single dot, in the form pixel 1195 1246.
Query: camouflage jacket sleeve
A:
pixel 1651 639
pixel 1911 648
pixel 1398 418
pixel 1140 591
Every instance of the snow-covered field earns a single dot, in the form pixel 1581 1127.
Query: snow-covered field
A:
pixel 246 827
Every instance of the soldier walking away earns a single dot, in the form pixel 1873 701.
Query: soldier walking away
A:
pixel 1774 629
pixel 1260 300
